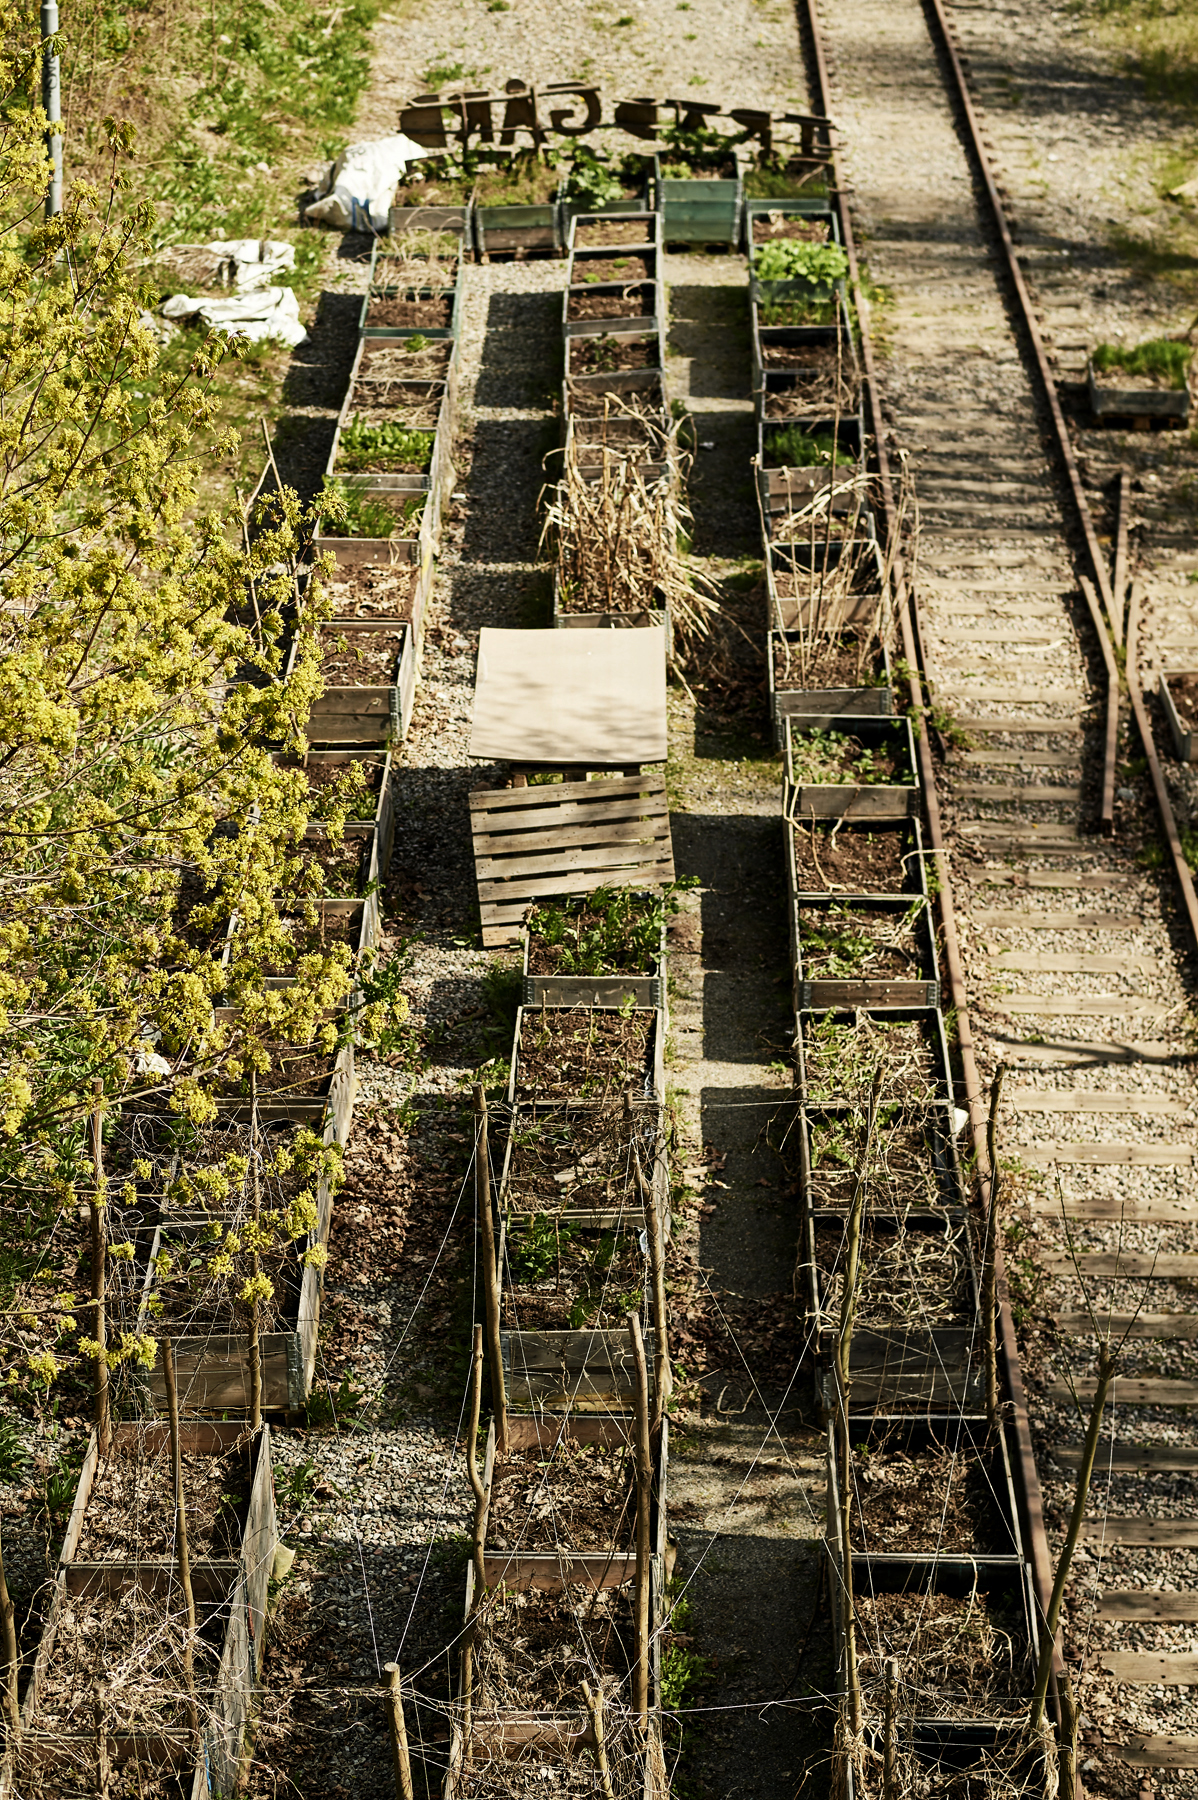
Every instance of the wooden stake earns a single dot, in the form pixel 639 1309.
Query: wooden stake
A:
pixel 482 1195
pixel 594 1706
pixel 181 1550
pixel 890 1745
pixel 1107 1359
pixel 8 1623
pixel 1067 1748
pixel 663 1380
pixel 482 1498
pixel 644 1478
pixel 399 1735
pixel 103 1760
pixel 99 1238
pixel 990 1264
pixel 255 1346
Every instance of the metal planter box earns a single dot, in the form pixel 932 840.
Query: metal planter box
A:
pixel 648 219
pixel 755 207
pixel 456 219
pixel 700 210
pixel 1185 741
pixel 1140 409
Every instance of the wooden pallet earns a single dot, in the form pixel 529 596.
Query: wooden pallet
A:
pixel 564 838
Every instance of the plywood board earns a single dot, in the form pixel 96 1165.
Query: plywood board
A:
pixel 572 699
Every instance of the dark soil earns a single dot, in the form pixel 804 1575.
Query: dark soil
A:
pixel 194 893
pixel 341 865
pixel 769 228
pixel 970 1658
pixel 368 659
pixel 634 303
pixel 584 1053
pixel 927 1499
pixel 594 1278
pixel 535 1650
pixel 612 268
pixel 827 665
pixel 851 859
pixel 590 403
pixel 131 1513
pixel 613 231
pixel 797 356
pixel 555 959
pixel 393 309
pixel 1184 690
pixel 609 356
pixel 577 1157
pixel 383 590
pixel 577 1496
pixel 841 944
pixel 324 773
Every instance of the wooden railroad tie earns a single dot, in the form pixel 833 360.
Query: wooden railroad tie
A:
pixel 1133 1156
pixel 1127 1390
pixel 564 838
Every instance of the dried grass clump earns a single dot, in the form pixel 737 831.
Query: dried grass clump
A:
pixel 418 259
pixel 618 535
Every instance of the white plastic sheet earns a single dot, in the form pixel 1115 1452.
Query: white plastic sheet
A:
pixel 270 313
pixel 256 262
pixel 362 182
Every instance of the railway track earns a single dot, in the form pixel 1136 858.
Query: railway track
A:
pixel 1075 957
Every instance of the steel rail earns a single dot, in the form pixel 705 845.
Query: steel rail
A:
pixel 1029 1479
pixel 1111 601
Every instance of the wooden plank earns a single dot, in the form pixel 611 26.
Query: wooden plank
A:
pixel 1111 1208
pixel 563 792
pixel 983 790
pixel 847 802
pixel 1167 1534
pixel 1074 1006
pixel 1055 921
pixel 1135 1668
pixel 1134 1156
pixel 818 996
pixel 1164 1752
pixel 1091 1100
pixel 1013 696
pixel 1040 962
pixel 1050 727
pixel 579 881
pixel 1148 1604
pixel 1018 759
pixel 993 634
pixel 615 830
pixel 1125 1456
pixel 591 855
pixel 1128 1390
pixel 211 1580
pixel 1053 878
pixel 502 828
pixel 1084 1051
pixel 1124 1265
pixel 553 1570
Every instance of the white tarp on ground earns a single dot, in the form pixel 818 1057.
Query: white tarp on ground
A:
pixel 570 699
pixel 255 262
pixel 269 313
pixel 360 185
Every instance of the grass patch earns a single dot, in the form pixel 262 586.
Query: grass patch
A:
pixel 1157 359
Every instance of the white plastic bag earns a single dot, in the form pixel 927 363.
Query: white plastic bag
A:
pixel 270 313
pixel 256 262
pixel 362 184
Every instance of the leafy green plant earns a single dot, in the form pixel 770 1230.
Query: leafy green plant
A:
pixel 347 513
pixel 594 180
pixel 363 445
pixel 343 1408
pixel 294 1487
pixel 793 259
pixel 795 448
pixel 534 1250
pixel 700 151
pixel 14 1453
pixel 1158 359
pixel 609 931
pixel 821 757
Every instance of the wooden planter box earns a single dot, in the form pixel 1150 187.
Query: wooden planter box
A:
pixel 1185 742
pixel 598 990
pixel 814 992
pixel 890 732
pixel 899 1366
pixel 654 338
pixel 851 709
pixel 972 1440
pixel 571 1371
pixel 239 1584
pixel 936 1185
pixel 849 432
pixel 1138 409
pixel 755 207
pixel 519 228
pixel 700 210
pixel 587 460
pixel 382 819
pixel 645 216
pixel 928 1022
pixel 382 553
pixel 513 1210
pixel 368 715
pixel 376 291
pixel 655 1077
pixel 457 219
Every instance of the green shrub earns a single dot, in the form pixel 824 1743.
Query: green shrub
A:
pixel 792 259
pixel 363 444
pixel 1160 359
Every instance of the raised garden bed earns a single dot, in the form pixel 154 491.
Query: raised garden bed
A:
pixel 115 1623
pixel 615 396
pixel 613 353
pixel 369 669
pixel 841 601
pixel 877 956
pixel 912 1166
pixel 930 1487
pixel 1142 388
pixel 866 776
pixel 535 1649
pixel 391 315
pixel 612 266
pixel 577 1160
pixel 705 206
pixel 586 1053
pixel 595 232
pixel 858 860
pixel 568 1371
pixel 1179 702
pixel 597 950
pixel 590 312
pixel 558 1275
pixel 830 686
pixel 839 1051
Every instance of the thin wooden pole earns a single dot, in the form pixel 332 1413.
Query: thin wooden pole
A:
pixel 181 1550
pixel 481 1495
pixel 99 1243
pixel 8 1621
pixel 890 1744
pixel 663 1380
pixel 594 1706
pixel 103 1758
pixel 482 1195
pixel 1067 1757
pixel 1119 580
pixel 644 1478
pixel 990 1266
pixel 255 1343
pixel 399 1735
